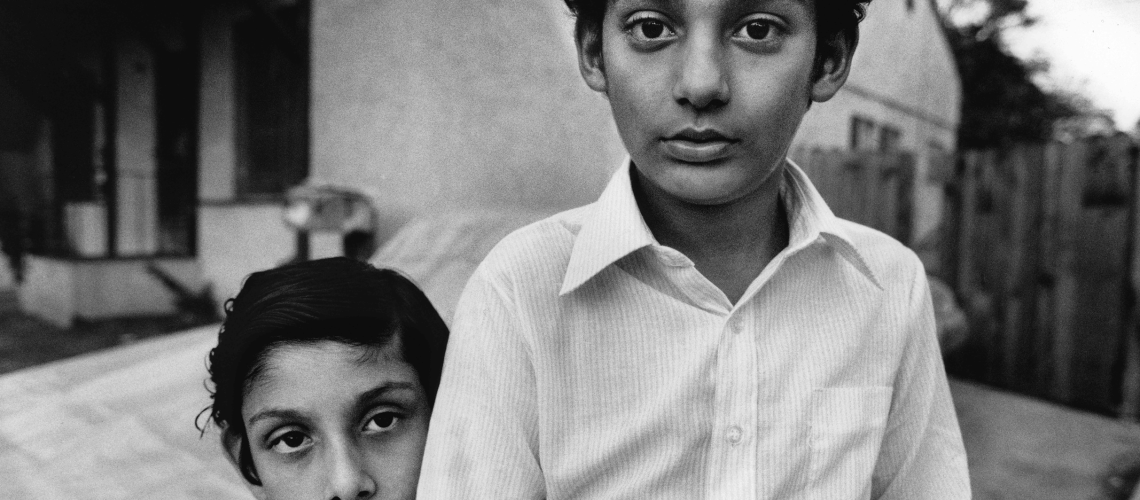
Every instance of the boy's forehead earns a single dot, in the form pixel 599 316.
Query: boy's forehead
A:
pixel 724 6
pixel 677 4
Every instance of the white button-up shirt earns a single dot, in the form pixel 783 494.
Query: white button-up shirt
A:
pixel 588 361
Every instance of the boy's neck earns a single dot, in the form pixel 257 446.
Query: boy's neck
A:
pixel 730 244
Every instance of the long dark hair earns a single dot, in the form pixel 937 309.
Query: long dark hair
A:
pixel 335 299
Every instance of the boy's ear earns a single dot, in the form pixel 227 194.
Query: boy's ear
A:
pixel 590 61
pixel 834 66
pixel 231 443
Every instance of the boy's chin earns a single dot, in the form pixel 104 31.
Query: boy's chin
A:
pixel 707 194
pixel 709 186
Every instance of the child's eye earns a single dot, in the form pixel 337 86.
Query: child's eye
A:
pixel 756 30
pixel 290 442
pixel 382 422
pixel 649 29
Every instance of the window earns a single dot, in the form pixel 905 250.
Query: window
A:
pixel 272 102
pixel 862 134
pixel 866 135
pixel 942 164
pixel 890 139
pixel 176 103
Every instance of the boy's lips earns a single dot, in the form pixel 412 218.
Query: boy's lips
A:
pixel 697 145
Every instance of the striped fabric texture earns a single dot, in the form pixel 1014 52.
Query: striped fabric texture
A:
pixel 588 361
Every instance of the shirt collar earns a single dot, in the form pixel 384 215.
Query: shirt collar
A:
pixel 614 227
pixel 611 230
pixel 812 219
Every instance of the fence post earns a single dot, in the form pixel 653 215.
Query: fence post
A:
pixel 1130 383
pixel 967 223
pixel 1048 267
pixel 1071 159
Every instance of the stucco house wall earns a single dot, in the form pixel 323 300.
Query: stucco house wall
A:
pixel 455 104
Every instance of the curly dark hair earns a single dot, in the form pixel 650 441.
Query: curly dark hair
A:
pixel 833 18
pixel 336 299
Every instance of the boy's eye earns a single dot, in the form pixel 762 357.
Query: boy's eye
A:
pixel 290 442
pixel 649 29
pixel 756 30
pixel 382 422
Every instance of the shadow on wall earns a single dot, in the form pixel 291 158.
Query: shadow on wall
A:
pixel 7 277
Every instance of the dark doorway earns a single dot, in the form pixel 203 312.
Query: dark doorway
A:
pixel 177 146
pixel 273 101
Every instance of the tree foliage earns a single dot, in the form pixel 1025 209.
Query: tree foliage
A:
pixel 1001 102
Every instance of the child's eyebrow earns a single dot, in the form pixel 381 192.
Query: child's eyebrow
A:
pixel 386 387
pixel 275 413
pixel 364 400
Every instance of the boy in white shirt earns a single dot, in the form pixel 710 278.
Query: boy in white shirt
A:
pixel 707 328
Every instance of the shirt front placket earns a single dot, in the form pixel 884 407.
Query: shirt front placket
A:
pixel 731 469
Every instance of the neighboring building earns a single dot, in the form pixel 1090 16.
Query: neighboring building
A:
pixel 188 120
pixel 904 93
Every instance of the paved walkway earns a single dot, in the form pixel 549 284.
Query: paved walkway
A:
pixel 114 425
pixel 1024 448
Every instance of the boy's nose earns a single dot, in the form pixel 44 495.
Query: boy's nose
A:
pixel 701 79
pixel 348 479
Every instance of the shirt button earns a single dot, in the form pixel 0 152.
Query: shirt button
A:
pixel 737 325
pixel 734 434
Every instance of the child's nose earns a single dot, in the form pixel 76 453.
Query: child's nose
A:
pixel 701 79
pixel 348 479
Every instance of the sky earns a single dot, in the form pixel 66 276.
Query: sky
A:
pixel 1093 46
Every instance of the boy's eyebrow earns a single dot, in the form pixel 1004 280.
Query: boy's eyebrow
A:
pixel 744 5
pixel 668 4
pixel 802 3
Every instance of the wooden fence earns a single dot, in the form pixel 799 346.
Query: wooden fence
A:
pixel 871 188
pixel 1039 241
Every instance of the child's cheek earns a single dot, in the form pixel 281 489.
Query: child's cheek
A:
pixel 395 462
pixel 287 478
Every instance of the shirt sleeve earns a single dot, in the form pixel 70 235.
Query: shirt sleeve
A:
pixel 922 454
pixel 483 436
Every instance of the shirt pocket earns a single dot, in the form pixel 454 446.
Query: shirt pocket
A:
pixel 847 425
